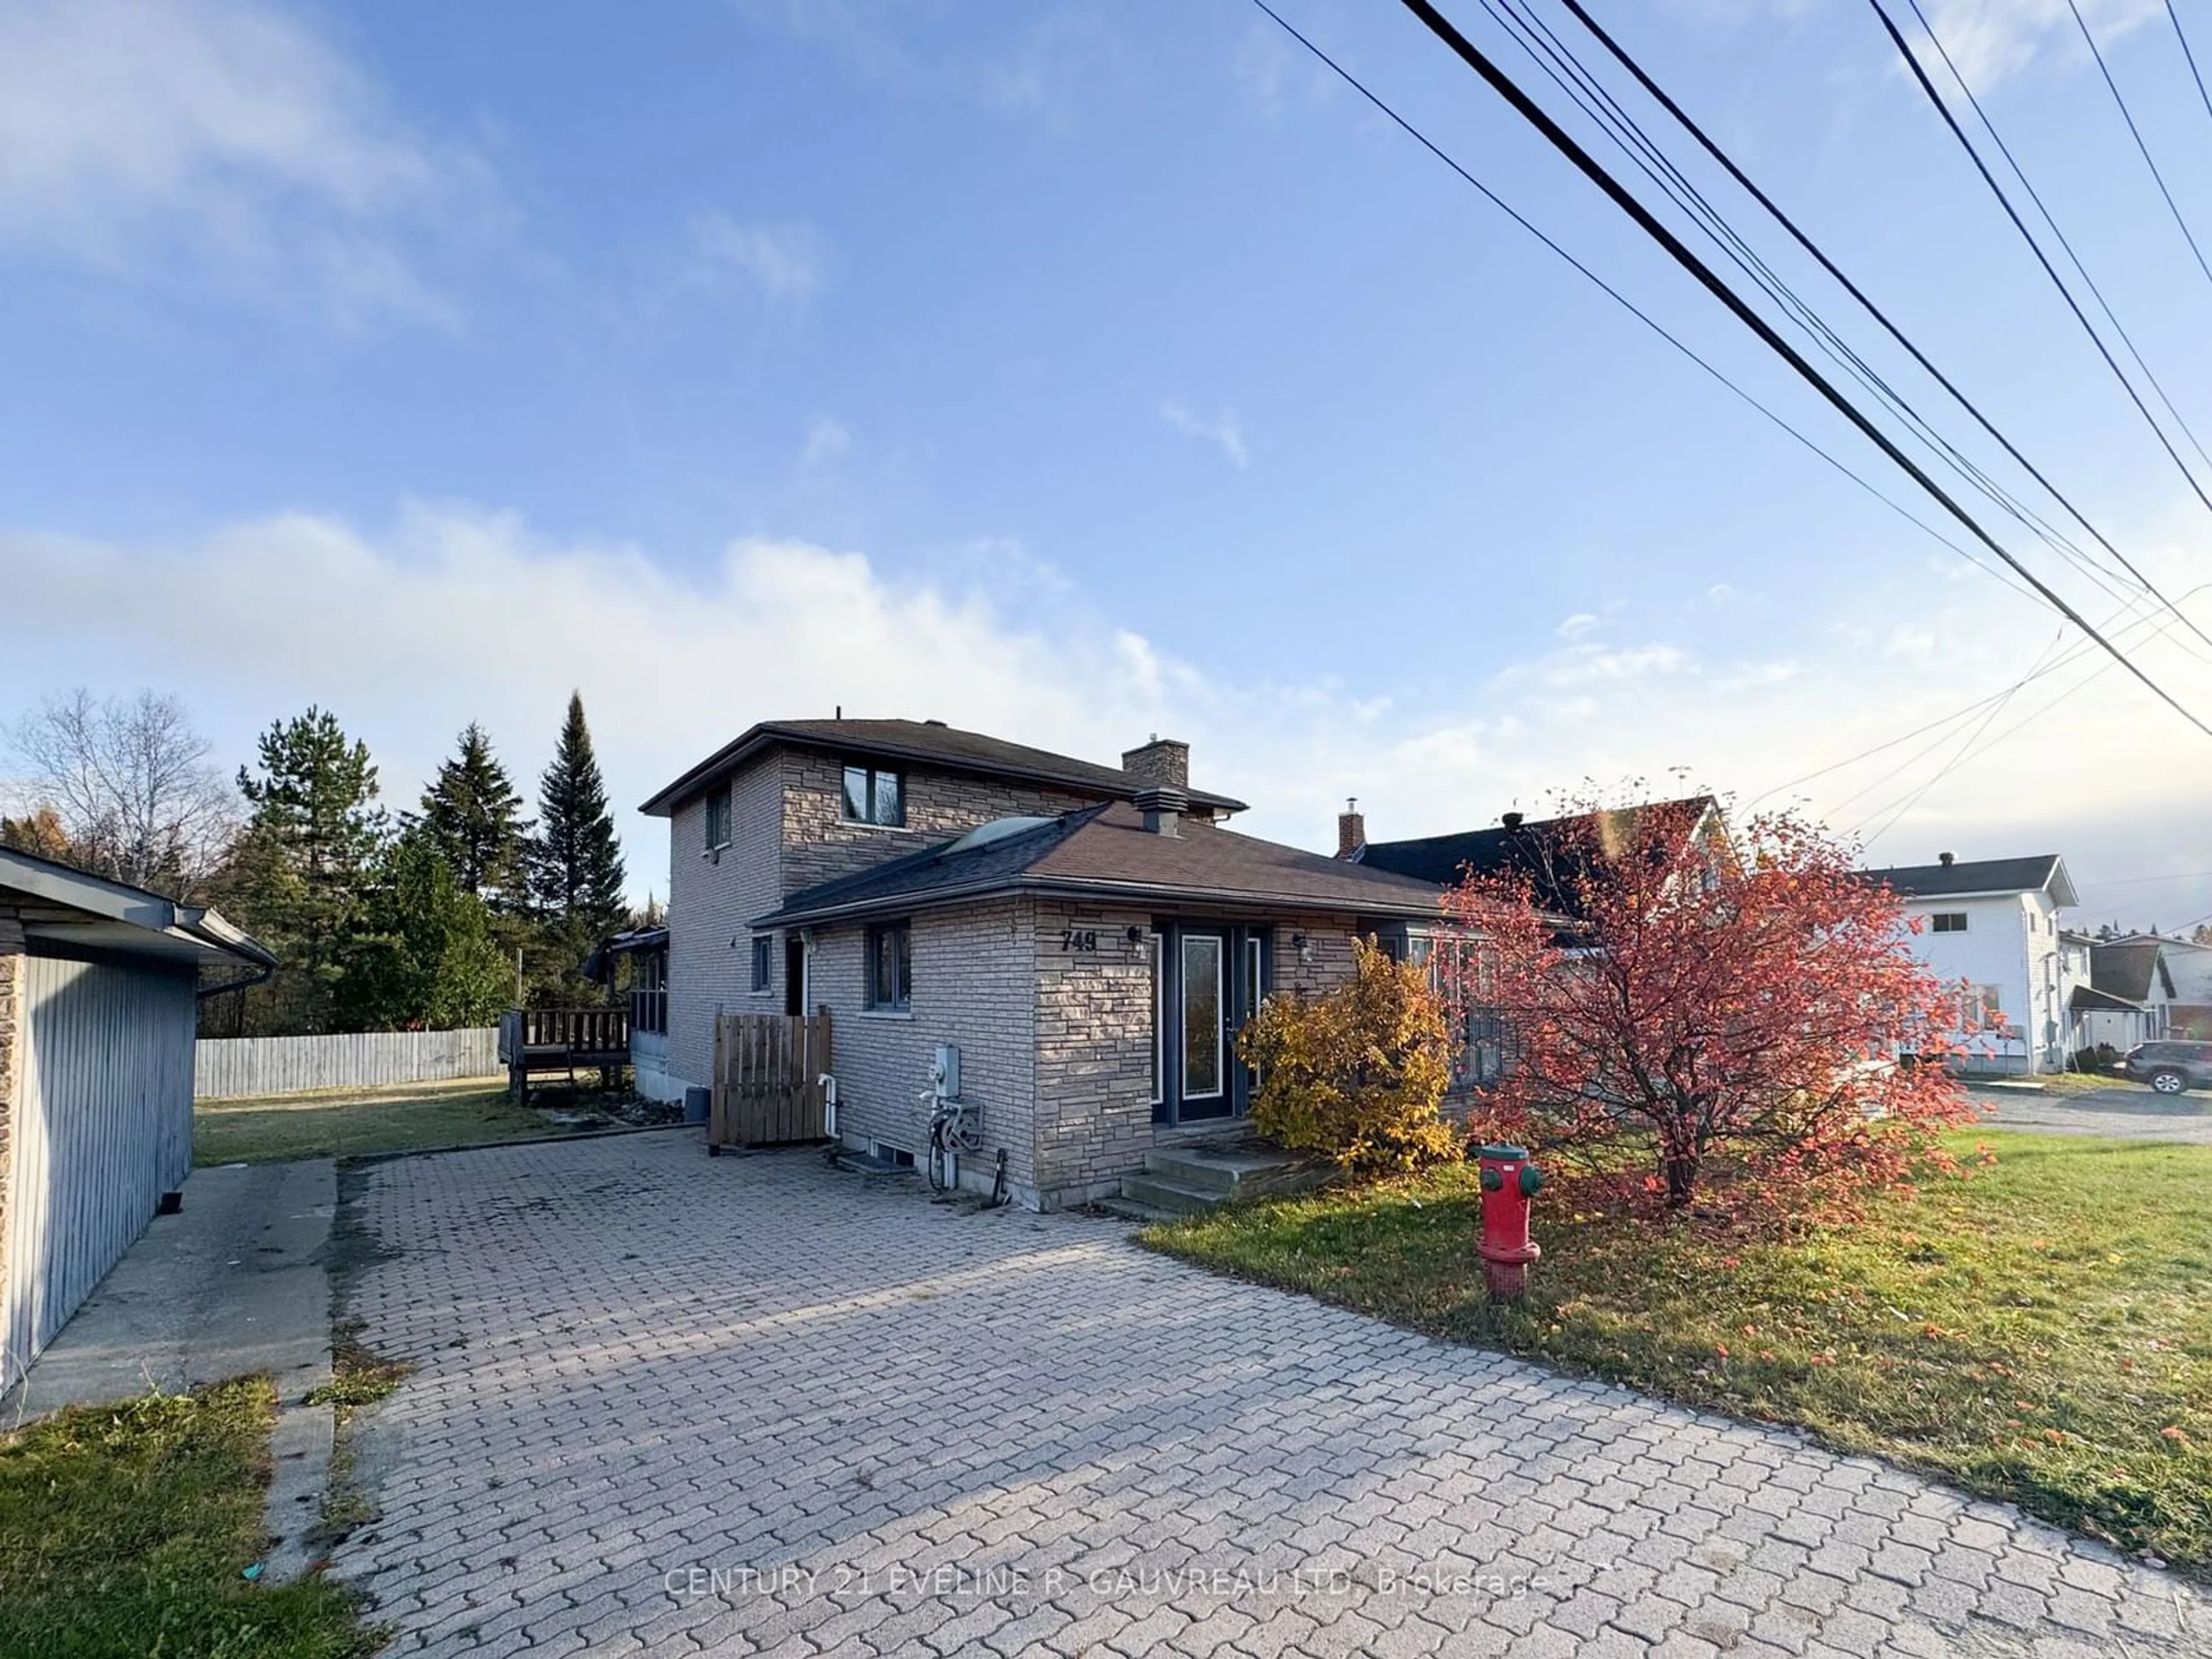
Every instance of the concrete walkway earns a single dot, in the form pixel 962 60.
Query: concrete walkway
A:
pixel 667 1404
pixel 234 1283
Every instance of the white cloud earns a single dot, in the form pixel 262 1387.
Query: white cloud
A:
pixel 785 262
pixel 1989 40
pixel 454 613
pixel 827 440
pixel 135 134
pixel 1223 432
pixel 1578 625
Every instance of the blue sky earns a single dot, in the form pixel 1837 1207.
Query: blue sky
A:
pixel 1072 371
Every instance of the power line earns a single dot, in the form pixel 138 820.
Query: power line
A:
pixel 2174 17
pixel 1635 310
pixel 1927 86
pixel 2072 655
pixel 1712 149
pixel 1558 64
pixel 2136 133
pixel 1592 169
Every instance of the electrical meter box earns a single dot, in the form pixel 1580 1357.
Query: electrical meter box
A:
pixel 947 1070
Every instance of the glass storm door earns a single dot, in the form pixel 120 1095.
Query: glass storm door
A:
pixel 1201 1030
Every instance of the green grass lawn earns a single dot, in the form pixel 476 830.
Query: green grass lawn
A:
pixel 125 1531
pixel 2040 1331
pixel 425 1118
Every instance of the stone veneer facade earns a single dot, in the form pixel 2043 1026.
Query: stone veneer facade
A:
pixel 787 833
pixel 1056 1048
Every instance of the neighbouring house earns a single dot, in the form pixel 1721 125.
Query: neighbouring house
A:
pixel 98 1010
pixel 2190 962
pixel 1549 852
pixel 2130 997
pixel 1085 940
pixel 1991 927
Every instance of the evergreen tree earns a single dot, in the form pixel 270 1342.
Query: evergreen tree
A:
pixel 473 818
pixel 302 868
pixel 422 956
pixel 575 862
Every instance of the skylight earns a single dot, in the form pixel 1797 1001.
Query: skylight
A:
pixel 984 835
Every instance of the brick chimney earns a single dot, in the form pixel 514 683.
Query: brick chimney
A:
pixel 1350 828
pixel 1163 761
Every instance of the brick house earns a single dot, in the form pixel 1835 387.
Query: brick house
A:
pixel 1088 937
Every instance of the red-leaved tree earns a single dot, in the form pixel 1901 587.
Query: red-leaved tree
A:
pixel 1735 1003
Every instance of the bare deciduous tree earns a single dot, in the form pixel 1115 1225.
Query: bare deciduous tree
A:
pixel 128 781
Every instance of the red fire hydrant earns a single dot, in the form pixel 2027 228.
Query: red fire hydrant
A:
pixel 1509 1182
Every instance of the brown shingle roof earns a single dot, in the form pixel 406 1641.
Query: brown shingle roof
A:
pixel 1106 852
pixel 921 742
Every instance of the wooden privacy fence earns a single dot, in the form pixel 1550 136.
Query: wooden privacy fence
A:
pixel 768 1071
pixel 230 1068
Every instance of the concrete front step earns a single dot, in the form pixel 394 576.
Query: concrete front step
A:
pixel 1186 1180
pixel 1171 1196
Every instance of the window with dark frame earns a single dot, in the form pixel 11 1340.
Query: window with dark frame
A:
pixel 763 962
pixel 718 817
pixel 890 967
pixel 874 796
pixel 1949 921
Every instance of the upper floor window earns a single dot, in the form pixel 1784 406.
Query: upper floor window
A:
pixel 1949 921
pixel 718 817
pixel 874 797
pixel 890 966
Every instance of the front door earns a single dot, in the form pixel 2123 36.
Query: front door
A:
pixel 1210 977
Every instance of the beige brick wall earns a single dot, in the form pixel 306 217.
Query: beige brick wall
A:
pixel 973 985
pixel 709 904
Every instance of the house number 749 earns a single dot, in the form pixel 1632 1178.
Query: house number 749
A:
pixel 1078 939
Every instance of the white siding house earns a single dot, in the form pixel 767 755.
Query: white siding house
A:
pixel 1992 928
pixel 98 1014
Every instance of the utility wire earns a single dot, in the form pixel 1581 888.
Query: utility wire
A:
pixel 2072 655
pixel 1659 93
pixel 2174 17
pixel 1637 312
pixel 2136 133
pixel 1927 86
pixel 1560 66
pixel 1557 137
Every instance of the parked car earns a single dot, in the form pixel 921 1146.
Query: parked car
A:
pixel 2170 1067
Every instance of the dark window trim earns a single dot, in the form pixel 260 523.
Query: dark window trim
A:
pixel 897 998
pixel 873 809
pixel 718 796
pixel 1958 919
pixel 764 974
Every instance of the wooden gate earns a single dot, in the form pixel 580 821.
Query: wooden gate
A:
pixel 767 1073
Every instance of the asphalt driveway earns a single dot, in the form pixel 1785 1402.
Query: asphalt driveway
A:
pixel 2128 1113
pixel 667 1404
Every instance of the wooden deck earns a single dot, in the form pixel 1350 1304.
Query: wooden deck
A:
pixel 541 1041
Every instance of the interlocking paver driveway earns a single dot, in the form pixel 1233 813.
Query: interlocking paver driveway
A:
pixel 669 1404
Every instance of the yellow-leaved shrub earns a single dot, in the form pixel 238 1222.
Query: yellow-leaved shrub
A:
pixel 1359 1072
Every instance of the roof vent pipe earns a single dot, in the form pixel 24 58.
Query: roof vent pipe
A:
pixel 1511 820
pixel 1162 808
pixel 1945 859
